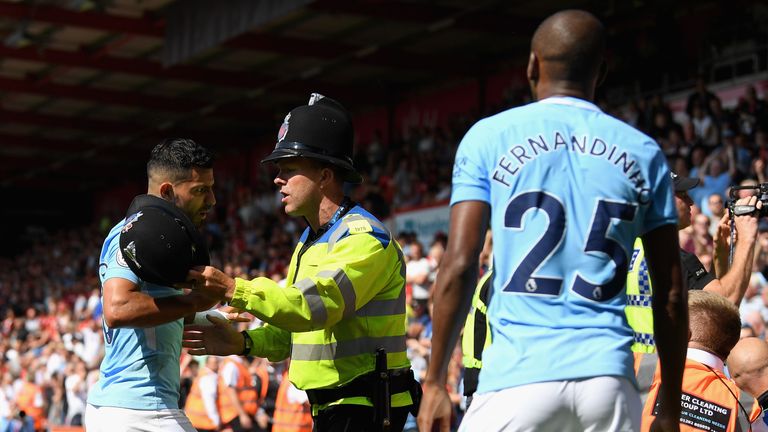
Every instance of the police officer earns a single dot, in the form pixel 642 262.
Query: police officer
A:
pixel 476 335
pixel 731 282
pixel 341 316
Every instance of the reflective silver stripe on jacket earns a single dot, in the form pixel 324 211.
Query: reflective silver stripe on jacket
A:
pixel 341 349
pixel 319 313
pixel 384 307
pixel 345 287
pixel 317 308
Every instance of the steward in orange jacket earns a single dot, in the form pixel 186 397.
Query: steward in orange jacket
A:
pixel 238 399
pixel 709 400
pixel 29 399
pixel 202 407
pixel 292 411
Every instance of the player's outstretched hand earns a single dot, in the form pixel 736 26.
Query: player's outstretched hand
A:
pixel 435 408
pixel 219 339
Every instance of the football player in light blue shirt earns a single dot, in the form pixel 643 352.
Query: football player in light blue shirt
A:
pixel 567 189
pixel 138 387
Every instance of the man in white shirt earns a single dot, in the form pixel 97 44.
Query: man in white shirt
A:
pixel 417 272
pixel 76 392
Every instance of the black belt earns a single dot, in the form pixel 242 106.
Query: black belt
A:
pixel 400 380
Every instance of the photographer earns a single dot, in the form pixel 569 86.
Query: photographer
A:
pixel 731 282
pixel 728 282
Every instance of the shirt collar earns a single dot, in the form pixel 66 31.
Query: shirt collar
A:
pixel 571 101
pixel 706 358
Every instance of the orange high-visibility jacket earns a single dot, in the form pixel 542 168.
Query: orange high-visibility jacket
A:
pixel 289 416
pixel 706 401
pixel 25 400
pixel 246 393
pixel 195 408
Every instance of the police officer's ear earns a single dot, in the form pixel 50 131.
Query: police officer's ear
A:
pixel 326 177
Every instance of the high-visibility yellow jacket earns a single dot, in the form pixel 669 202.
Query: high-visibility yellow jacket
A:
pixel 639 298
pixel 344 299
pixel 477 334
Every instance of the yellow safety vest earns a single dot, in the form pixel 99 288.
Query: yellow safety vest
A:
pixel 639 297
pixel 477 334
pixel 475 340
pixel 344 299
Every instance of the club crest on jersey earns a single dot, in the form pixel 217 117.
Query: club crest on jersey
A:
pixel 120 259
pixel 283 128
pixel 130 220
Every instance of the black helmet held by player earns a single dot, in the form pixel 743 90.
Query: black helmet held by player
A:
pixel 159 243
pixel 320 130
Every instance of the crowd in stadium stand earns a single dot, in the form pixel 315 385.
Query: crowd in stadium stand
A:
pixel 51 339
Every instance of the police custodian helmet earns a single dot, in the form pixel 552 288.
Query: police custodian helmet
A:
pixel 160 243
pixel 320 130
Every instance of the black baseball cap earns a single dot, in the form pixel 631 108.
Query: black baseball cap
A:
pixel 321 130
pixel 159 243
pixel 684 184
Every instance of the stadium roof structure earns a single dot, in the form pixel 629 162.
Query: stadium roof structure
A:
pixel 87 87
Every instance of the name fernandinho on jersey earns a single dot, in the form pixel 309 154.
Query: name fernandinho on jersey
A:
pixel 519 155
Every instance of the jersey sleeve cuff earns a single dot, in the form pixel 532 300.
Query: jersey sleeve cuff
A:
pixel 122 274
pixel 463 192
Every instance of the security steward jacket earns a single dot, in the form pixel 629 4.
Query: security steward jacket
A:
pixel 344 299
pixel 709 400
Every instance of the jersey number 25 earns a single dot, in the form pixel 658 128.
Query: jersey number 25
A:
pixel 524 279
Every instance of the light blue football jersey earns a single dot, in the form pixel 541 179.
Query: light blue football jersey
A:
pixel 570 188
pixel 140 369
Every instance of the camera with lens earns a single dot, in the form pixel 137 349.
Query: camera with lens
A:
pixel 758 190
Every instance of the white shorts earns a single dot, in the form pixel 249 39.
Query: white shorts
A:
pixel 112 419
pixel 601 404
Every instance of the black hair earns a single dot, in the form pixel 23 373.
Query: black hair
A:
pixel 176 156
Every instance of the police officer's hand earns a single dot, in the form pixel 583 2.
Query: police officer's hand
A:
pixel 435 408
pixel 212 282
pixel 219 339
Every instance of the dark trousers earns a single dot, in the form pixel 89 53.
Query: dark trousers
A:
pixel 356 418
